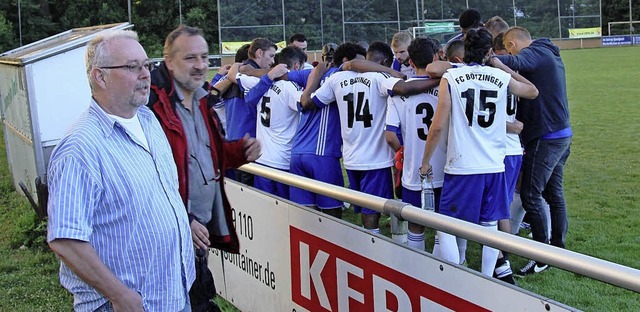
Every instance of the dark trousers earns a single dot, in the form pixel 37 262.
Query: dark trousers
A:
pixel 542 174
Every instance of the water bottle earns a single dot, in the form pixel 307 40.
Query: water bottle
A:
pixel 428 200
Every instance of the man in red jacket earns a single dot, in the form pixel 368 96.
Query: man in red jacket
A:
pixel 183 104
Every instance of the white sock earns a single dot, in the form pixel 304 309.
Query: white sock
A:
pixel 374 231
pixel 462 249
pixel 448 247
pixel 416 240
pixel 489 254
pixel 436 247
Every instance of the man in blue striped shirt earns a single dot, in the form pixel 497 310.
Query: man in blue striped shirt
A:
pixel 116 219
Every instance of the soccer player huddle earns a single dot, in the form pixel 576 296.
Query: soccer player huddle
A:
pixel 449 115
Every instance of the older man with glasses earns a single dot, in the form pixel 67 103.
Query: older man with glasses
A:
pixel 116 219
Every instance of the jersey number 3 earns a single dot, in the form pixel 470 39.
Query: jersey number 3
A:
pixel 427 110
pixel 360 112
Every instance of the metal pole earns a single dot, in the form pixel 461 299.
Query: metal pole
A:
pixel 573 13
pixel 630 18
pixel 180 10
pixel 515 16
pixel 129 9
pixel 417 15
pixel 219 32
pixel 398 15
pixel 559 22
pixel 19 23
pixel 600 6
pixel 605 271
pixel 321 26
pixel 343 32
pixel 284 29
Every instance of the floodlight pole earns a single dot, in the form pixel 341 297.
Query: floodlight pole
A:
pixel 180 10
pixel 630 19
pixel 321 26
pixel 19 23
pixel 515 17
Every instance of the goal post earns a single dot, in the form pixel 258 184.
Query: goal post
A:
pixel 623 28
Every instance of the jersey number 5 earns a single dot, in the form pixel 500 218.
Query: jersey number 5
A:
pixel 358 113
pixel 265 112
pixel 488 107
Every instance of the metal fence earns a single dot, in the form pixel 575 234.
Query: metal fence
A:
pixel 338 21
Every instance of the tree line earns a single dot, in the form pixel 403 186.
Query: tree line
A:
pixel 322 21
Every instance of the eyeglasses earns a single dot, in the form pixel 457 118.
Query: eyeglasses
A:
pixel 134 68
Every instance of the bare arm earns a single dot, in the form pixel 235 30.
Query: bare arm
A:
pixel 233 72
pixel 83 260
pixel 312 85
pixel 392 140
pixel 415 86
pixel 223 85
pixel 252 71
pixel 363 66
pixel 437 126
pixel 438 68
pixel 518 85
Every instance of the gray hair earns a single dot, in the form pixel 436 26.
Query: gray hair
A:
pixel 97 54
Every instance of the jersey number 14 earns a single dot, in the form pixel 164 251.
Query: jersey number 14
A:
pixel 360 112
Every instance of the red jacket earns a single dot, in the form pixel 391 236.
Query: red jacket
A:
pixel 224 153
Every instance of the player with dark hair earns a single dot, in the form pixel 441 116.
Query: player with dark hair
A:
pixel 278 118
pixel 412 115
pixel 361 100
pixel 469 19
pixel 473 100
pixel 241 116
pixel 300 41
pixel 327 52
pixel 455 51
pixel 317 145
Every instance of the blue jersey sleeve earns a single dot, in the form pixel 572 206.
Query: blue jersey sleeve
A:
pixel 300 77
pixel 255 94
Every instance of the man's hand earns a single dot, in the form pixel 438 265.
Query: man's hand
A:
pixel 495 62
pixel 426 170
pixel 199 235
pixel 278 71
pixel 224 69
pixel 514 127
pixel 129 301
pixel 251 148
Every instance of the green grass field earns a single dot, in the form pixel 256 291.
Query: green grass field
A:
pixel 602 185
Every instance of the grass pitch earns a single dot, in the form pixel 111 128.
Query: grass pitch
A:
pixel 602 188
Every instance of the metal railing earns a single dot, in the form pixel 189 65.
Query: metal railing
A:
pixel 605 271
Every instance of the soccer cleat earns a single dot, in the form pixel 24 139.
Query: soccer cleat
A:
pixel 504 273
pixel 532 268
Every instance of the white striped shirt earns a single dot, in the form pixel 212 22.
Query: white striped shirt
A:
pixel 107 189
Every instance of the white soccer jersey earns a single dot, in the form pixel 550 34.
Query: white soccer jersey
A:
pixel 513 140
pixel 477 128
pixel 413 115
pixel 278 117
pixel 362 103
